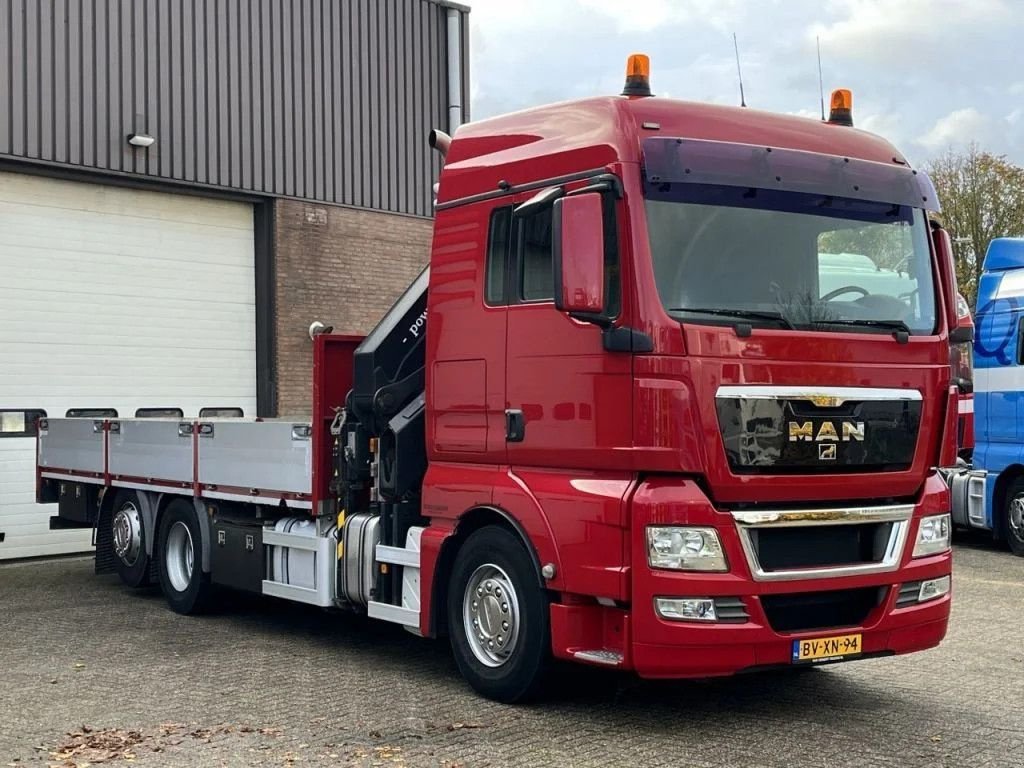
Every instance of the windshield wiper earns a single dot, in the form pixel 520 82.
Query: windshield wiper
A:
pixel 739 314
pixel 900 330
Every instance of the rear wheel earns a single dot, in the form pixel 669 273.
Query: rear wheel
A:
pixel 498 617
pixel 180 547
pixel 128 539
pixel 1013 517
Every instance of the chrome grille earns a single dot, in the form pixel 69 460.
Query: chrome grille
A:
pixel 782 545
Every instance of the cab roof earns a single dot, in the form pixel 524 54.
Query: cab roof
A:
pixel 574 136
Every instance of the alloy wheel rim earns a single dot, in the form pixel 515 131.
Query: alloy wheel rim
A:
pixel 1017 518
pixel 127 531
pixel 180 556
pixel 491 615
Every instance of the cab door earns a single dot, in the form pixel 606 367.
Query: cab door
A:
pixel 568 400
pixel 466 331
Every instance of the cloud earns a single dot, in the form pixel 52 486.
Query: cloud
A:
pixel 883 31
pixel 925 74
pixel 884 124
pixel 651 15
pixel 958 128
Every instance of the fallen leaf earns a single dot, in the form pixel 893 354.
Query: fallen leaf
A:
pixel 460 726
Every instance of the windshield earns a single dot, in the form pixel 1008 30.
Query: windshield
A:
pixel 790 259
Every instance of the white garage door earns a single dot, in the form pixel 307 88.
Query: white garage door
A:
pixel 115 298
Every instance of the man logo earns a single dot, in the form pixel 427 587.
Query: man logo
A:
pixel 826 401
pixel 826 432
pixel 826 451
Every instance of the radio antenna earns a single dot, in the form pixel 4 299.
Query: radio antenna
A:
pixel 821 81
pixel 739 73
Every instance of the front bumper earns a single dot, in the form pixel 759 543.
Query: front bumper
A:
pixel 708 651
pixel 662 648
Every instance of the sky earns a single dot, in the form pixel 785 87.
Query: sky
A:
pixel 929 75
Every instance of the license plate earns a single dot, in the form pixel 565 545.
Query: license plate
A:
pixel 818 649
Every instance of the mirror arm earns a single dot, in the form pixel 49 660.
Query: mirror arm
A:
pixel 538 202
pixel 601 321
pixel 606 182
pixel 961 335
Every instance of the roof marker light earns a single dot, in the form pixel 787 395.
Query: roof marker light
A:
pixel 841 110
pixel 638 76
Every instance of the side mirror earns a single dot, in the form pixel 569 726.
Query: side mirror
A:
pixel 578 240
pixel 947 272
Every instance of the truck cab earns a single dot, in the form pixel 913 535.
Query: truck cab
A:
pixel 714 450
pixel 990 494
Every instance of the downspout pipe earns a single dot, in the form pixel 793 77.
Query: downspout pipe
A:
pixel 454 70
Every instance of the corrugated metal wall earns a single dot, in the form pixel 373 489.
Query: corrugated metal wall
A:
pixel 319 99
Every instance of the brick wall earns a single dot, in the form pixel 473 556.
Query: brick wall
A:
pixel 341 266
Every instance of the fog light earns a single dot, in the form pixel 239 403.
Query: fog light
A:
pixel 933 588
pixel 686 608
pixel 685 549
pixel 933 535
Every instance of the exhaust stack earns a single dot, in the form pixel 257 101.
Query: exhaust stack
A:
pixel 440 141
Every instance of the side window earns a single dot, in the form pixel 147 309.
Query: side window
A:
pixel 20 423
pixel 497 256
pixel 91 413
pixel 536 277
pixel 159 413
pixel 531 271
pixel 229 412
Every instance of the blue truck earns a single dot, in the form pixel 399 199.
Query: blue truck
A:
pixel 988 494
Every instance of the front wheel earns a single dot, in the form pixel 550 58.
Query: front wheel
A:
pixel 1014 517
pixel 498 617
pixel 180 547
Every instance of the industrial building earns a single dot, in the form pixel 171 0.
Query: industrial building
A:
pixel 187 185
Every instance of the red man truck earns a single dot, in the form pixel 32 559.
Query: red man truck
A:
pixel 616 421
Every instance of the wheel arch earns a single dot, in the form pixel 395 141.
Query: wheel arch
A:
pixel 468 523
pixel 161 502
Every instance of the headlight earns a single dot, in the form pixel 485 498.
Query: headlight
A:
pixel 934 588
pixel 932 535
pixel 685 549
pixel 686 608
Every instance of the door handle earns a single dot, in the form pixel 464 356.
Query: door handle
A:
pixel 515 426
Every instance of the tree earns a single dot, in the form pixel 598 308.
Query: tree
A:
pixel 982 197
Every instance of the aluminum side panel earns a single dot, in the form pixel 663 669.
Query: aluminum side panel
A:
pixel 265 455
pixel 75 444
pixel 152 448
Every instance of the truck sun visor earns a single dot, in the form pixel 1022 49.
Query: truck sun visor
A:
pixel 698 161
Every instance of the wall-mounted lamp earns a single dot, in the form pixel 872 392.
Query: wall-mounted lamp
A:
pixel 316 328
pixel 141 140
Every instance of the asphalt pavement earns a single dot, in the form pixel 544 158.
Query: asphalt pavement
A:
pixel 93 673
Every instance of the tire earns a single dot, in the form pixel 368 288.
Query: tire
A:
pixel 494 582
pixel 128 539
pixel 179 562
pixel 1013 516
